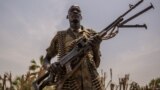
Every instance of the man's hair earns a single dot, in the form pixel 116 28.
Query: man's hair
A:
pixel 73 7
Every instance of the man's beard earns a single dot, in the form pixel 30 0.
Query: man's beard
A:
pixel 75 21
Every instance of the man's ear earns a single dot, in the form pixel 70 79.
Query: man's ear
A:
pixel 67 17
pixel 81 17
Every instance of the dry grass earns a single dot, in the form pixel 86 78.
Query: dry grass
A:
pixel 24 82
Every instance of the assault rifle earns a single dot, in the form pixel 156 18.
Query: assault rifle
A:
pixel 81 47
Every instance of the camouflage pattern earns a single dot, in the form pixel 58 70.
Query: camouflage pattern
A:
pixel 86 77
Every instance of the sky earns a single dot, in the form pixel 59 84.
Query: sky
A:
pixel 28 26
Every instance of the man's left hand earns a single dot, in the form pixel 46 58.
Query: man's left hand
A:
pixel 95 40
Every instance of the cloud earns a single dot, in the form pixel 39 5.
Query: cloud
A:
pixel 139 58
pixel 26 29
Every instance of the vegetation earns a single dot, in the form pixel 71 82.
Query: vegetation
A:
pixel 23 82
pixel 35 70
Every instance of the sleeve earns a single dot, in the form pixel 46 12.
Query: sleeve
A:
pixel 96 56
pixel 52 50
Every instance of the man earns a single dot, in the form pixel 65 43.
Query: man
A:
pixel 86 76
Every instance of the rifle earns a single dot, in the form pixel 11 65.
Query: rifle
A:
pixel 82 46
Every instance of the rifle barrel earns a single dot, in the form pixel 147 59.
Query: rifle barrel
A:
pixel 119 19
pixel 136 15
pixel 134 26
pixel 113 24
pixel 134 6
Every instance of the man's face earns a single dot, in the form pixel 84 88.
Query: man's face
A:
pixel 74 14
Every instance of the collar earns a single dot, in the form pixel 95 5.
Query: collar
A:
pixel 80 30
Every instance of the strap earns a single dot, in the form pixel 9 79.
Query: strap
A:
pixel 61 82
pixel 61 43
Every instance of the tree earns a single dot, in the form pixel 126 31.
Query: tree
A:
pixel 155 83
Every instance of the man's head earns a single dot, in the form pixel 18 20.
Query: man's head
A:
pixel 74 14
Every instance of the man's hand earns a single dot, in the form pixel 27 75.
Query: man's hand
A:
pixel 111 34
pixel 46 66
pixel 95 40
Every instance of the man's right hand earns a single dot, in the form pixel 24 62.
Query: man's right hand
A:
pixel 46 66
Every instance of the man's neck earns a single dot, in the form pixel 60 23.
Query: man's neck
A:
pixel 75 26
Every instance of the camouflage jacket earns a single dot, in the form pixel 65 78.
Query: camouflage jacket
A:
pixel 86 77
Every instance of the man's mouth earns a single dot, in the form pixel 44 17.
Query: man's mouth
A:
pixel 75 21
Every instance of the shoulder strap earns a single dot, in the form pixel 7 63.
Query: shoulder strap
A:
pixel 61 43
pixel 61 82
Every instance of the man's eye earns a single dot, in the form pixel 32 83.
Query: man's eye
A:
pixel 75 10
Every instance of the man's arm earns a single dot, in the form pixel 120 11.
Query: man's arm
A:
pixel 95 43
pixel 47 61
pixel 51 52
pixel 96 56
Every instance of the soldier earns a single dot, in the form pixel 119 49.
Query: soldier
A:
pixel 86 76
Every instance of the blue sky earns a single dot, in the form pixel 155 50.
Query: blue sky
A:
pixel 27 27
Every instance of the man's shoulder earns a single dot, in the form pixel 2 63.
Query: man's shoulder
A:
pixel 61 31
